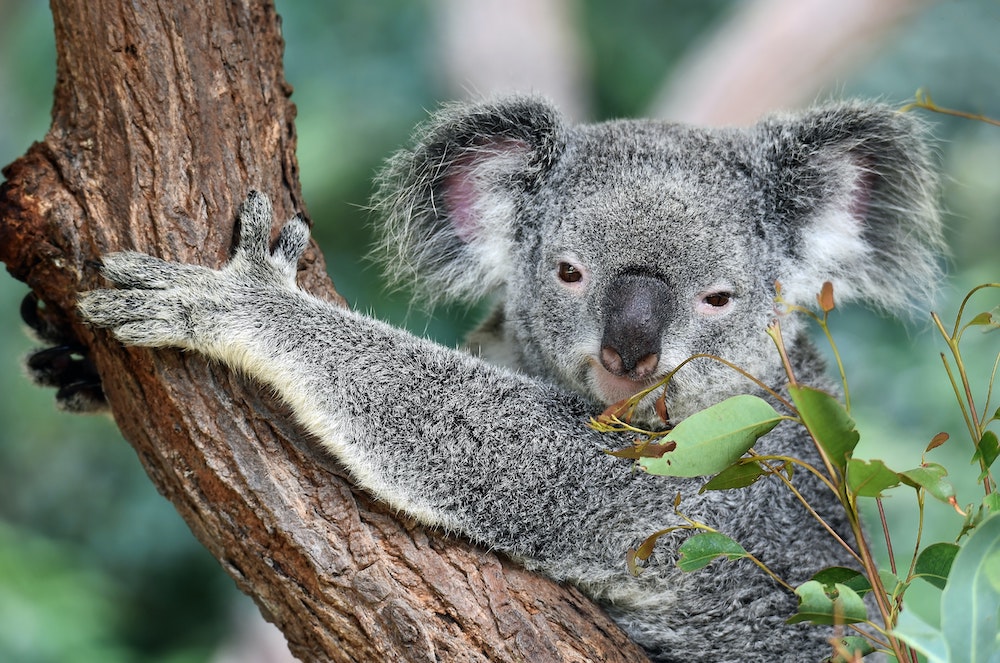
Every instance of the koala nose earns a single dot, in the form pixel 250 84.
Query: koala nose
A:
pixel 637 308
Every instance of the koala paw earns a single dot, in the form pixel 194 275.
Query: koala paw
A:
pixel 62 364
pixel 160 303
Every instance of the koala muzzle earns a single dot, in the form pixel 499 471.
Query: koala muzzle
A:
pixel 637 308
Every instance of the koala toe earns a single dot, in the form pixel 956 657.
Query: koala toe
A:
pixel 111 308
pixel 255 227
pixel 152 333
pixel 129 269
pixel 292 241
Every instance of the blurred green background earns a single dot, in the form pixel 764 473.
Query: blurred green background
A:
pixel 94 565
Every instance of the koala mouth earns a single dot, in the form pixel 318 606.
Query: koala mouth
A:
pixel 611 388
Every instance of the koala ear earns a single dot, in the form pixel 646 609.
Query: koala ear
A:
pixel 449 207
pixel 853 190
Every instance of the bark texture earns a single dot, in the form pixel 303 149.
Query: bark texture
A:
pixel 165 115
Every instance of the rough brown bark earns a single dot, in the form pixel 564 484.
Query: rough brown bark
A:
pixel 165 114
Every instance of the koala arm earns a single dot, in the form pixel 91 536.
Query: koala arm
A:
pixel 432 431
pixel 498 457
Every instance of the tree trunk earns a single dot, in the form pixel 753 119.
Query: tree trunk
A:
pixel 165 115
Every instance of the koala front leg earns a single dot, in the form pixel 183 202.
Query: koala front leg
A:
pixel 503 459
pixel 434 432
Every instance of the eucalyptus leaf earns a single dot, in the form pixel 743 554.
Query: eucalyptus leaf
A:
pixel 930 477
pixel 869 478
pixel 987 450
pixel 893 584
pixel 842 605
pixel 855 644
pixel 828 421
pixel 970 603
pixel 985 318
pixel 713 439
pixel 923 637
pixel 643 552
pixel 702 549
pixel 842 575
pixel 934 562
pixel 737 475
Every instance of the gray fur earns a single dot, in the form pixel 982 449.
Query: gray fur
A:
pixel 490 200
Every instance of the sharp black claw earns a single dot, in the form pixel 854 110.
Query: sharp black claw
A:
pixel 64 365
pixel 82 396
pixel 56 359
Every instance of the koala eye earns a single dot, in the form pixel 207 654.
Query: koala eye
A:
pixel 569 273
pixel 717 299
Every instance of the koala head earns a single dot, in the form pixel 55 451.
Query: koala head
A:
pixel 617 250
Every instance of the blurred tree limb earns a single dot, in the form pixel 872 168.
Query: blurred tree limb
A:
pixel 775 54
pixel 164 115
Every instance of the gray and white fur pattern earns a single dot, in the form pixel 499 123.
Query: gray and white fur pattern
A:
pixel 613 251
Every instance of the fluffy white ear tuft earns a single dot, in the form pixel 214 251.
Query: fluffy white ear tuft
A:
pixel 832 245
pixel 854 193
pixel 450 206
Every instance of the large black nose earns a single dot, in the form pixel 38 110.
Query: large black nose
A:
pixel 637 307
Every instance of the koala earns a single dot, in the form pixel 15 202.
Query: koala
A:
pixel 62 361
pixel 612 252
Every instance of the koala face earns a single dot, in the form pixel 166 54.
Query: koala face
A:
pixel 639 261
pixel 618 250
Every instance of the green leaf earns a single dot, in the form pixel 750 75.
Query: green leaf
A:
pixel 842 605
pixel 828 421
pixel 701 550
pixel 934 563
pixel 854 644
pixel 992 502
pixel 985 318
pixel 987 450
pixel 834 575
pixel 894 586
pixel 738 475
pixel 970 603
pixel 930 477
pixel 923 637
pixel 713 439
pixel 869 479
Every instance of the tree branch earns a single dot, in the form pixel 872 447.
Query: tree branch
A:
pixel 165 115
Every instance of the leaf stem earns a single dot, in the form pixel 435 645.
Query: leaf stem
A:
pixel 788 484
pixel 836 356
pixel 885 531
pixel 966 402
pixel 923 100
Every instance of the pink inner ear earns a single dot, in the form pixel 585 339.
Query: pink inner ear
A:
pixel 464 185
pixel 861 196
pixel 460 197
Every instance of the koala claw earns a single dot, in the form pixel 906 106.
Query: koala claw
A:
pixel 67 368
pixel 63 364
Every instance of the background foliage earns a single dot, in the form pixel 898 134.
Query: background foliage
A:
pixel 94 565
